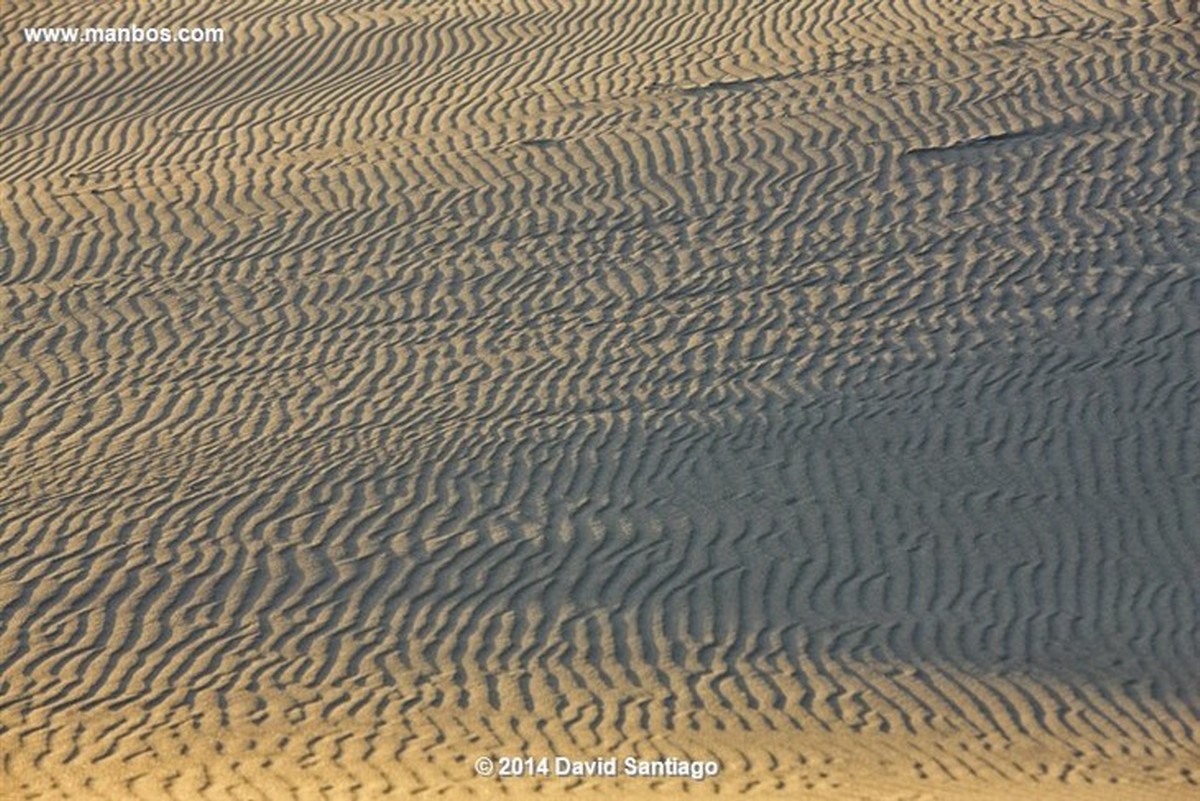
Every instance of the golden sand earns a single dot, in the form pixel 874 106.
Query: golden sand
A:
pixel 806 387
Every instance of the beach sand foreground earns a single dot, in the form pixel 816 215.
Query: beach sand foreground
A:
pixel 807 387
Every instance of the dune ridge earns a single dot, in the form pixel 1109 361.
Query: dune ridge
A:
pixel 810 387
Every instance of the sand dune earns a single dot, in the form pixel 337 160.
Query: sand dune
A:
pixel 806 386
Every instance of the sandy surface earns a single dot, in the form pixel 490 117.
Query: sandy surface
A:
pixel 811 387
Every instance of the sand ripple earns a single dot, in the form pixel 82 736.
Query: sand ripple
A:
pixel 810 386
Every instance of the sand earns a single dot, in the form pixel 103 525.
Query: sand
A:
pixel 810 387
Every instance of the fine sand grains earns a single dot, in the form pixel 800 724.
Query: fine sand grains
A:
pixel 808 386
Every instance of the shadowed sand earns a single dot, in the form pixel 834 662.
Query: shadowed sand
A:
pixel 806 386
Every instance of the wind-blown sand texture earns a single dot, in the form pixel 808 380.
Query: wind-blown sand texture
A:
pixel 811 386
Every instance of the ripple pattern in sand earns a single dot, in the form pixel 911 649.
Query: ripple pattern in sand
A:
pixel 809 386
